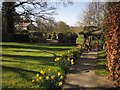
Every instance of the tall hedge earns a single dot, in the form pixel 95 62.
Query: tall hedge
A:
pixel 113 41
pixel 68 38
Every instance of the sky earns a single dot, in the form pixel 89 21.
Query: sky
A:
pixel 72 13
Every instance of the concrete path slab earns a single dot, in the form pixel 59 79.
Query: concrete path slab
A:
pixel 82 74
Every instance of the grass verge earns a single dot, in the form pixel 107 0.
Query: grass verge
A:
pixel 101 68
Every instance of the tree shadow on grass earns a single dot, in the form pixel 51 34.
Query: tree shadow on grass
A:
pixel 42 59
pixel 22 72
pixel 35 47
pixel 102 57
pixel 101 66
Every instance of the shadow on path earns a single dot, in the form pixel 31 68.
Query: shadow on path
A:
pixel 82 74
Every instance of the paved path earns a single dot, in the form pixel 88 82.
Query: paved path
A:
pixel 82 74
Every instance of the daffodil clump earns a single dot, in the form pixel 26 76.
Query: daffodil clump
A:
pixel 65 60
pixel 49 79
pixel 75 53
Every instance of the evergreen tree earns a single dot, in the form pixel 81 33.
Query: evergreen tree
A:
pixel 8 13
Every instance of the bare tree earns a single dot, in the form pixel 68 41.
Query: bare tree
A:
pixel 94 15
pixel 30 9
pixel 62 27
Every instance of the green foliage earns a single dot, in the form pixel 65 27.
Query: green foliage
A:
pixel 68 38
pixel 54 35
pixel 21 37
pixel 38 36
pixel 8 13
pixel 49 36
pixel 61 37
pixel 6 37
pixel 79 39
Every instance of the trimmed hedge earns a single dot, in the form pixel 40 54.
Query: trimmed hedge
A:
pixel 68 38
pixel 21 37
pixel 54 35
pixel 113 41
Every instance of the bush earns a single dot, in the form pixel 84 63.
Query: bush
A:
pixel 38 37
pixel 6 37
pixel 49 36
pixel 21 37
pixel 61 37
pixel 54 35
pixel 68 38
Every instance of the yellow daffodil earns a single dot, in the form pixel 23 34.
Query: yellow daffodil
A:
pixel 37 80
pixel 33 80
pixel 62 54
pixel 52 77
pixel 68 51
pixel 72 50
pixel 59 73
pixel 57 59
pixel 37 75
pixel 47 77
pixel 72 62
pixel 42 72
pixel 61 77
pixel 68 58
pixel 60 83
pixel 40 78
pixel 49 69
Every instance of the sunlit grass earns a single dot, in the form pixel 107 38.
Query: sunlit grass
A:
pixel 79 39
pixel 21 61
pixel 101 68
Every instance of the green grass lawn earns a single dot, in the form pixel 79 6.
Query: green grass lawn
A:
pixel 101 68
pixel 21 62
pixel 79 39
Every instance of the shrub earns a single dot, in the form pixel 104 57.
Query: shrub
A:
pixel 74 36
pixel 6 37
pixel 49 79
pixel 68 38
pixel 49 36
pixel 61 37
pixel 38 37
pixel 21 37
pixel 54 35
pixel 38 34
